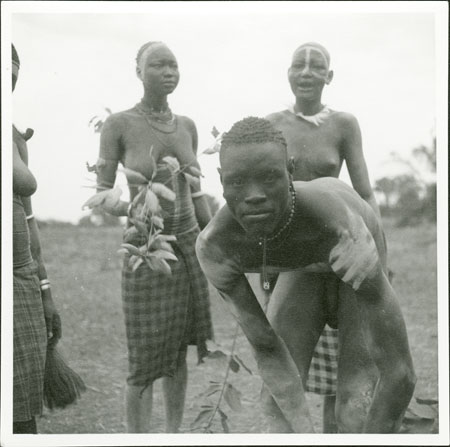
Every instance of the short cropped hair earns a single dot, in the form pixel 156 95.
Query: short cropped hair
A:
pixel 251 130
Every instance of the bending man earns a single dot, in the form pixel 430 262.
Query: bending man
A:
pixel 320 140
pixel 271 224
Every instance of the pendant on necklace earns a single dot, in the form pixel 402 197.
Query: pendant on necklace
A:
pixel 266 283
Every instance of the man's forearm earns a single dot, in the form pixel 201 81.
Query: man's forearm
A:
pixel 275 363
pixel 283 380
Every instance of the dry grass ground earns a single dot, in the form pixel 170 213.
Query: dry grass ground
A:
pixel 85 273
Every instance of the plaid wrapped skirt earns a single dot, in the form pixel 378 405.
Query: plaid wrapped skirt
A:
pixel 322 376
pixel 30 344
pixel 165 313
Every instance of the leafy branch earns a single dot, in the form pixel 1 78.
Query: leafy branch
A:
pixel 145 212
pixel 227 392
pixel 147 220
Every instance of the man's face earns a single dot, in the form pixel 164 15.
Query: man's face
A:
pixel 308 73
pixel 158 70
pixel 15 75
pixel 255 182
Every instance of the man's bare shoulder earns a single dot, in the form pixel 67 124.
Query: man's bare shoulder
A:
pixel 222 232
pixel 326 196
pixel 329 199
pixel 217 249
pixel 324 185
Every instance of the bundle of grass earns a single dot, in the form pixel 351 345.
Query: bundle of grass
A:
pixel 62 385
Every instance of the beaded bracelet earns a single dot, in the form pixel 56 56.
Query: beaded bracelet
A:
pixel 45 284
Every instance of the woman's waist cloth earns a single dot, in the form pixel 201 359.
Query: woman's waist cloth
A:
pixel 21 235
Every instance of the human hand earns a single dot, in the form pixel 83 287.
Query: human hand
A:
pixel 118 208
pixel 109 201
pixel 52 318
pixel 355 257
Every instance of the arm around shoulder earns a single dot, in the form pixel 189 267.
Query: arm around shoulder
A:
pixel 339 214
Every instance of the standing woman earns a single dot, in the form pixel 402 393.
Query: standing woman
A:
pixel 163 314
pixel 36 321
pixel 319 141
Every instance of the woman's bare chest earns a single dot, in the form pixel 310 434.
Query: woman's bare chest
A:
pixel 316 152
pixel 144 145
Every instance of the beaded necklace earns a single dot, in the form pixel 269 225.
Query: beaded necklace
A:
pixel 166 118
pixel 161 116
pixel 263 241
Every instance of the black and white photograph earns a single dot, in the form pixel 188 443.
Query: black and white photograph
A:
pixel 226 223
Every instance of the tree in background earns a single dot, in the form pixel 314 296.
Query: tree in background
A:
pixel 411 197
pixel 410 200
pixel 98 218
pixel 427 156
pixel 386 186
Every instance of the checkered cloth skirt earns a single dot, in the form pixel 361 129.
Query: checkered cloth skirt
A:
pixel 30 344
pixel 165 313
pixel 322 377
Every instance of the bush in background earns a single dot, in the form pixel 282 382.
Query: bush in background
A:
pixel 411 198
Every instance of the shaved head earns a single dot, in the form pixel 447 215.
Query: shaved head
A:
pixel 316 47
pixel 145 50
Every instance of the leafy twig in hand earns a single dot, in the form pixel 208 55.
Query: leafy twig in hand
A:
pixel 147 220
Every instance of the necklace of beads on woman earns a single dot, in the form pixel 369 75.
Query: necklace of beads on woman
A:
pixel 263 241
pixel 169 140
pixel 164 117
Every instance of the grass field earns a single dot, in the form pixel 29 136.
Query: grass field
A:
pixel 85 272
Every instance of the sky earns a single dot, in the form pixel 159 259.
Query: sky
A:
pixel 233 60
pixel 79 57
